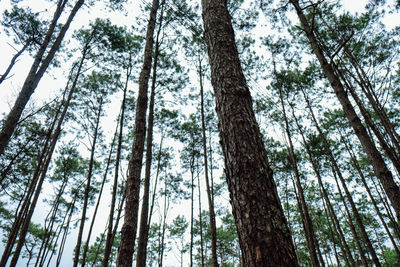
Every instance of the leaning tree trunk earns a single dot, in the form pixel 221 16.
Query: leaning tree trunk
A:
pixel 36 73
pixel 129 228
pixel 264 236
pixel 381 170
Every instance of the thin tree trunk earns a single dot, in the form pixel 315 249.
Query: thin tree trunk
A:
pixel 345 247
pixel 374 156
pixel 191 213
pixel 368 89
pixel 65 234
pixel 213 227
pixel 41 171
pixel 108 244
pixel 14 60
pixel 129 228
pixel 200 220
pixel 264 236
pixel 88 184
pixel 306 219
pixel 144 227
pixel 36 73
pixel 164 225
pixel 364 259
pixel 86 246
pixel 336 170
pixel 358 168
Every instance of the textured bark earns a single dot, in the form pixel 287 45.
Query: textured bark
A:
pixel 36 73
pixel 264 236
pixel 374 156
pixel 129 228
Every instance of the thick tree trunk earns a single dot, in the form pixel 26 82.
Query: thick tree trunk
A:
pixel 35 74
pixel 129 228
pixel 264 236
pixel 381 171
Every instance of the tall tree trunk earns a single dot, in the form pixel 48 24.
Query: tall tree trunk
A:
pixel 390 152
pixel 109 239
pixel 374 156
pixel 338 230
pixel 364 181
pixel 144 227
pixel 200 219
pixel 88 184
pixel 36 72
pixel 129 228
pixel 336 170
pixel 306 219
pixel 213 227
pixel 191 214
pixel 264 236
pixel 65 234
pixel 100 194
pixel 356 239
pixel 369 91
pixel 42 170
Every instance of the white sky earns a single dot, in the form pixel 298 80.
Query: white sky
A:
pixel 49 86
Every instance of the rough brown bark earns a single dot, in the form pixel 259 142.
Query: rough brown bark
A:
pixel 129 228
pixel 264 236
